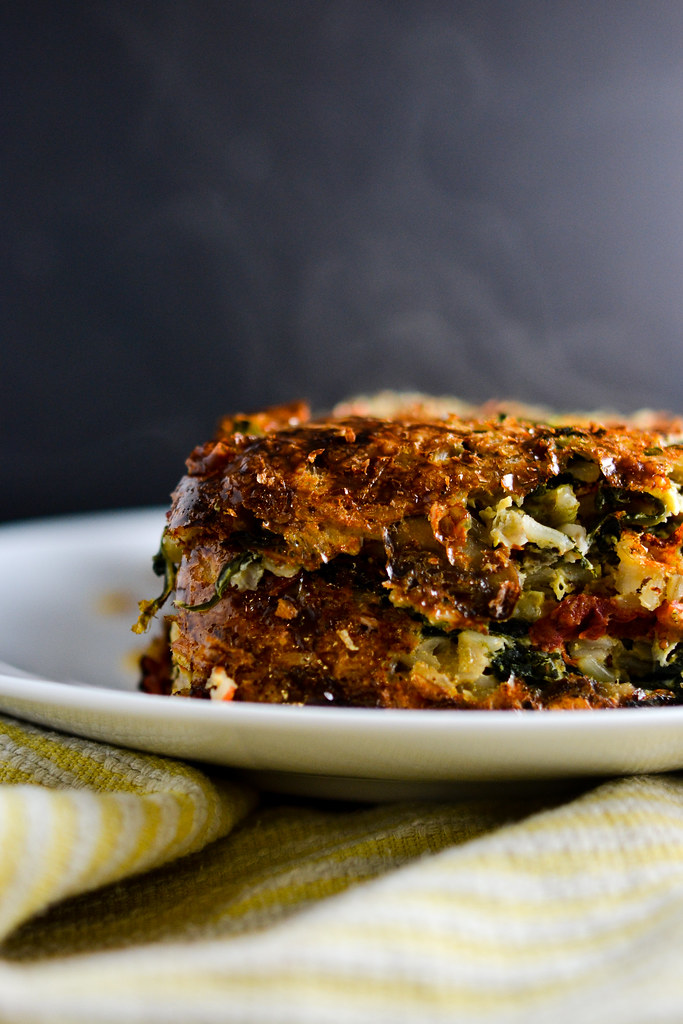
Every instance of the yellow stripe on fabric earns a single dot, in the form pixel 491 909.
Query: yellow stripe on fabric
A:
pixel 23 763
pixel 631 801
pixel 519 950
pixel 70 759
pixel 291 892
pixel 167 826
pixel 127 826
pixel 98 766
pixel 304 862
pixel 513 864
pixel 275 846
pixel 410 829
pixel 266 980
pixel 99 869
pixel 358 859
pixel 79 764
pixel 546 971
pixel 561 863
pixel 19 777
pixel 134 818
pixel 294 894
pixel 174 810
pixel 14 832
pixel 104 814
pixel 109 769
pixel 46 854
pixel 313 880
pixel 326 976
pixel 140 819
pixel 545 905
pixel 144 851
pixel 604 819
pixel 239 992
pixel 403 946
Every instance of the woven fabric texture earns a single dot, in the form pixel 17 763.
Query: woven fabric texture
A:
pixel 136 888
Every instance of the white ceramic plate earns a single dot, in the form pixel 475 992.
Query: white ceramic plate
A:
pixel 68 595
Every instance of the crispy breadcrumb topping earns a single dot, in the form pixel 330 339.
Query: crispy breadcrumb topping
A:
pixel 414 552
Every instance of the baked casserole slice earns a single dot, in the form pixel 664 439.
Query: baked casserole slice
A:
pixel 425 555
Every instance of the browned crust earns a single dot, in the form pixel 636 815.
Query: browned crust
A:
pixel 372 520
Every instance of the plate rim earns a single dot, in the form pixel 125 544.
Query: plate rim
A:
pixel 629 734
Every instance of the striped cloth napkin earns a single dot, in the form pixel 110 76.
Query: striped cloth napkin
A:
pixel 135 888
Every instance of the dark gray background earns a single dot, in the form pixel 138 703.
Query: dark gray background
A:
pixel 215 206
